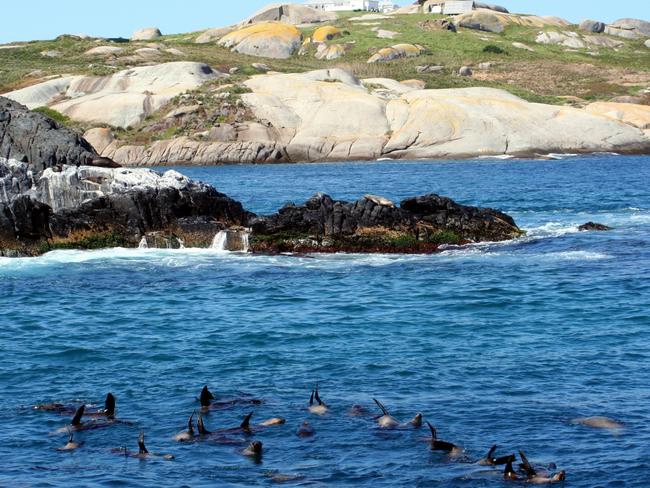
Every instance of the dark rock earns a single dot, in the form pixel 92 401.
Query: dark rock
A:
pixel 370 226
pixel 496 8
pixel 594 226
pixel 37 140
pixel 592 26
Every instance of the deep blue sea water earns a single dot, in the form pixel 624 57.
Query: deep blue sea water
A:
pixel 495 343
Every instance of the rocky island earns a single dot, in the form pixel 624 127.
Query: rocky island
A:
pixel 57 192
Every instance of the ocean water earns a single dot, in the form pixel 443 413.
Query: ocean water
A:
pixel 495 343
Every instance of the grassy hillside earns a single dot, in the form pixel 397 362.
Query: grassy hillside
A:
pixel 550 74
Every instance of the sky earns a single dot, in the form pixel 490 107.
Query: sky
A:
pixel 27 20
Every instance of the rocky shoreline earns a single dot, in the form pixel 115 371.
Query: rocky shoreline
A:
pixel 57 192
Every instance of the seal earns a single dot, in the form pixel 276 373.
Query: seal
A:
pixel 71 445
pixel 143 453
pixel 108 411
pixel 305 430
pixel 186 435
pixel 206 398
pixel 599 423
pixel 63 409
pixel 539 478
pixel 438 445
pixel 254 450
pixel 509 474
pixel 490 460
pixel 321 408
pixel 385 421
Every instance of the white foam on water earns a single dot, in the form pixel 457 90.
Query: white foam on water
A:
pixel 551 229
pixel 498 157
pixel 219 242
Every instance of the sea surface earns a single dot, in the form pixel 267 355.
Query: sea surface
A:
pixel 502 343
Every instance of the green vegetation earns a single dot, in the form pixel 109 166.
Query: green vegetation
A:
pixel 444 237
pixel 548 74
pixel 491 48
pixel 54 115
pixel 92 241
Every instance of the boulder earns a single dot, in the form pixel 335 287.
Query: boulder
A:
pixel 496 8
pixel 51 54
pixel 289 13
pixel 592 26
pixel 326 33
pixel 647 43
pixel 491 21
pixel 175 52
pixel 212 35
pixel 330 51
pixel 465 71
pixel 148 34
pixel 103 50
pixel 603 41
pixel 99 138
pixel 148 52
pixel 629 28
pixel 386 34
pixel 267 40
pixel 566 39
pixel 395 52
pixel 121 100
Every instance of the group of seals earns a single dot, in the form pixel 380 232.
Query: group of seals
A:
pixel 107 417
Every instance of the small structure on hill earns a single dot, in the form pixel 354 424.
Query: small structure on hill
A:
pixel 344 5
pixel 450 7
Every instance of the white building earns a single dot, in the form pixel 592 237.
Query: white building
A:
pixel 387 6
pixel 344 5
pixel 458 7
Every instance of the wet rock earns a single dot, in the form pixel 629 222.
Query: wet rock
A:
pixel 593 226
pixel 376 223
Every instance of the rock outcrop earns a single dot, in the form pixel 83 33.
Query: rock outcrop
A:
pixel 628 113
pixel 395 52
pixel 148 34
pixel 576 41
pixel 406 123
pixel 267 40
pixel 121 100
pixel 592 26
pixel 52 199
pixel 492 21
pixel 375 224
pixel 629 28
pixel 290 13
pixel 57 192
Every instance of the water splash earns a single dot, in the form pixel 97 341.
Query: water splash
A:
pixel 220 241
pixel 143 243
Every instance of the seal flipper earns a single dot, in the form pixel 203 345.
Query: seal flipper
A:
pixel 245 425
pixel 509 472
pixel 317 397
pixel 311 398
pixel 76 420
pixel 109 406
pixel 200 425
pixel 383 409
pixel 206 397
pixel 190 426
pixel 526 466
pixel 142 448
pixel 490 454
pixel 434 434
